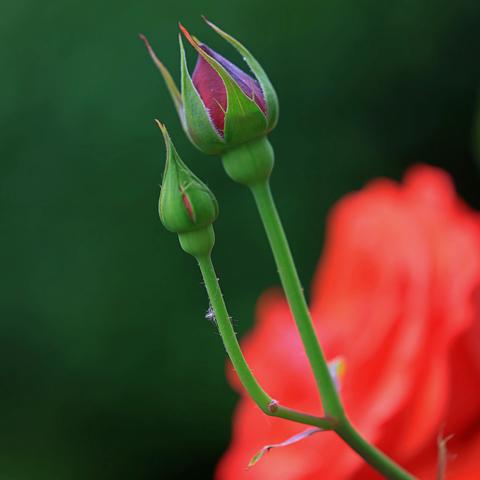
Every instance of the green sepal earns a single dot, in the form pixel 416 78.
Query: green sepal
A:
pixel 244 120
pixel 198 125
pixel 186 204
pixel 271 98
pixel 198 243
pixel 250 163
pixel 167 77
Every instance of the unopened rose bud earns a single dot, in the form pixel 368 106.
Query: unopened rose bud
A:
pixel 186 206
pixel 220 106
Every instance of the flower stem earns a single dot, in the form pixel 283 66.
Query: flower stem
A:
pixel 296 299
pixel 288 275
pixel 256 392
pixel 371 454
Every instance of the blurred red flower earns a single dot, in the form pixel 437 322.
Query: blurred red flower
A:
pixel 397 295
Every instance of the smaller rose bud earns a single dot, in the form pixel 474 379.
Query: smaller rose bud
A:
pixel 186 206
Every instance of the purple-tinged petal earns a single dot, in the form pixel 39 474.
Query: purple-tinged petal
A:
pixel 249 85
pixel 212 90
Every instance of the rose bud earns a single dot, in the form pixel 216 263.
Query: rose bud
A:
pixel 220 106
pixel 186 205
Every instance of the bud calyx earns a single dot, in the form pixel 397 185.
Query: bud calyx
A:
pixel 186 204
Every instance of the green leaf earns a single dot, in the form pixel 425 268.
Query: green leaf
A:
pixel 267 87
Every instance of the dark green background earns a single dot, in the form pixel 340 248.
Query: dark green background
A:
pixel 108 369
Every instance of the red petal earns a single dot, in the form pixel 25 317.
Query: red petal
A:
pixel 212 91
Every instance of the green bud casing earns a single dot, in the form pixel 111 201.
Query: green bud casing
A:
pixel 250 163
pixel 186 204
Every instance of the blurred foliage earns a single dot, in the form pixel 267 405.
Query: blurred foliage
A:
pixel 108 369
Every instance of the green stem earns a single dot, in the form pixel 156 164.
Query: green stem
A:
pixel 371 454
pixel 256 392
pixel 296 299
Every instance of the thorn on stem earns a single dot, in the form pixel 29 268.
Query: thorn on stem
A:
pixel 273 406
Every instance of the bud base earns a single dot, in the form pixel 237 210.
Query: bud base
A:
pixel 250 163
pixel 198 242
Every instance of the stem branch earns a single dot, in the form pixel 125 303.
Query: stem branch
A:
pixel 256 392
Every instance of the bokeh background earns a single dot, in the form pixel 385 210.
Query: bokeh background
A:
pixel 108 369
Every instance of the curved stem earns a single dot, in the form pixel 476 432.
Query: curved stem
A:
pixel 296 299
pixel 291 284
pixel 256 392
